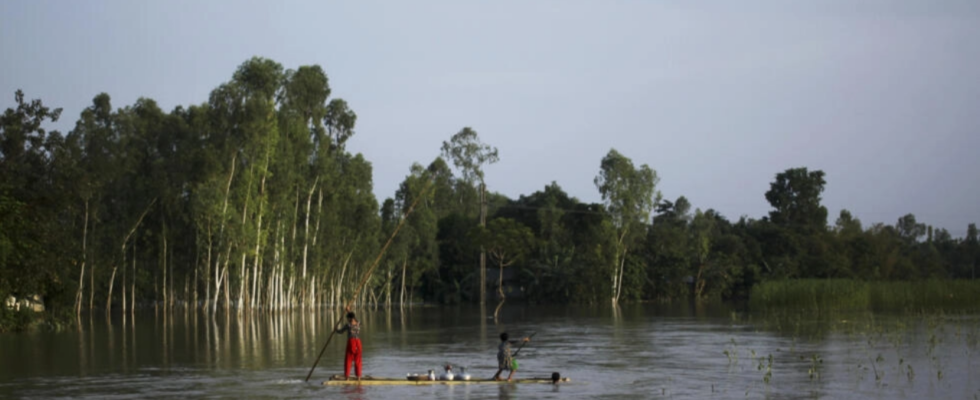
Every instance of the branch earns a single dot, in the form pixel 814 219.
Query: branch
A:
pixel 138 222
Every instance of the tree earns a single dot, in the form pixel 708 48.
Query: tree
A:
pixel 667 249
pixel 910 230
pixel 629 194
pixel 29 202
pixel 469 154
pixel 795 196
pixel 507 241
pixel 847 225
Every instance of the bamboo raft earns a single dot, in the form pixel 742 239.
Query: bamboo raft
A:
pixel 372 381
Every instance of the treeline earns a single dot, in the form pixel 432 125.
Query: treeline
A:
pixel 251 201
pixel 637 246
pixel 248 200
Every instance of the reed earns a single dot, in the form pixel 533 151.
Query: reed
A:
pixel 832 295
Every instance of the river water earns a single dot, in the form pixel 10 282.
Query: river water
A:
pixel 634 351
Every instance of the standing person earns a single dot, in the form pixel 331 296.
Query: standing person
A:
pixel 353 353
pixel 504 359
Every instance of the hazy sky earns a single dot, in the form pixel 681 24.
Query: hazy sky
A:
pixel 716 96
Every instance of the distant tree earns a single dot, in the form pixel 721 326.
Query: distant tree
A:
pixel 630 194
pixel 667 250
pixel 507 241
pixel 847 225
pixel 910 230
pixel 795 197
pixel 469 154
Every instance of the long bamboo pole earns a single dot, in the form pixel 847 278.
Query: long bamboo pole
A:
pixel 367 275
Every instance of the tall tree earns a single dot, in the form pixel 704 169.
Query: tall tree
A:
pixel 469 154
pixel 630 194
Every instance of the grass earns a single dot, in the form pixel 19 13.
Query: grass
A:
pixel 830 295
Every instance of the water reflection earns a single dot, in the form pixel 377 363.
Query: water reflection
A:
pixel 354 392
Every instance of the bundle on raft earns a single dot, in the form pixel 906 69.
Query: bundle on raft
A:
pixel 424 380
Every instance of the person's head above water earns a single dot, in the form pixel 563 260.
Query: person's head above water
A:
pixel 555 377
pixel 350 315
pixel 504 337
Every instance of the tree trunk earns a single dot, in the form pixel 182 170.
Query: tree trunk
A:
pixel 124 282
pixel 132 287
pixel 197 267
pixel 207 271
pixel 316 225
pixel 500 283
pixel 227 288
pixel 241 289
pixel 108 299
pixel 306 234
pixel 91 287
pixel 81 277
pixel 218 273
pixel 170 266
pixel 388 287
pixel 618 264
pixel 619 281
pixel 217 282
pixel 401 300
pixel 164 261
pixel 483 253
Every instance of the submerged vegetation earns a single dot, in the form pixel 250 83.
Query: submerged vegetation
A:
pixel 835 295
pixel 251 201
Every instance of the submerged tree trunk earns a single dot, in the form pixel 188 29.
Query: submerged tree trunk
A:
pixel 618 264
pixel 124 282
pixel 108 298
pixel 164 265
pixel 122 247
pixel 207 270
pixel 132 287
pixel 81 277
pixel 316 228
pixel 619 279
pixel 401 300
pixel 306 233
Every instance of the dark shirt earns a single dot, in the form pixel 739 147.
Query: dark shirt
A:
pixel 353 331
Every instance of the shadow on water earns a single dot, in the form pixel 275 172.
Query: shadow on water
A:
pixel 632 351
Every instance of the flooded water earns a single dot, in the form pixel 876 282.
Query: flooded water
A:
pixel 635 351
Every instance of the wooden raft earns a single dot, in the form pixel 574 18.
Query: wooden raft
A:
pixel 379 381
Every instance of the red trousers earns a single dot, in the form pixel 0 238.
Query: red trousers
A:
pixel 353 354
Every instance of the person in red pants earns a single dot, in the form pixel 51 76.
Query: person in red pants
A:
pixel 353 353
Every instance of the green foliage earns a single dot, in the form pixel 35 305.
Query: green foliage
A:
pixel 831 295
pixel 469 154
pixel 795 196
pixel 507 240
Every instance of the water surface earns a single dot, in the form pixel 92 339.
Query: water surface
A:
pixel 634 351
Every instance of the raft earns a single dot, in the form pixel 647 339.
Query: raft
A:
pixel 370 380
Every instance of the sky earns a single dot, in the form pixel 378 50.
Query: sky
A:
pixel 716 96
